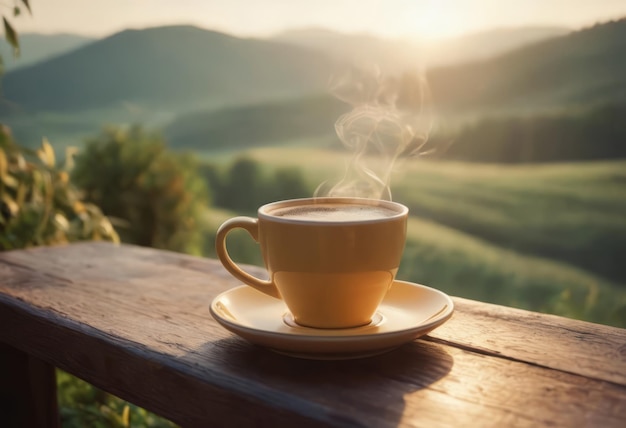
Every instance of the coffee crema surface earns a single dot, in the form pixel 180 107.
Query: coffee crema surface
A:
pixel 334 212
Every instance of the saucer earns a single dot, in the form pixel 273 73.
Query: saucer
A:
pixel 407 312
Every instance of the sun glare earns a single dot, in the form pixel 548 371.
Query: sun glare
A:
pixel 432 20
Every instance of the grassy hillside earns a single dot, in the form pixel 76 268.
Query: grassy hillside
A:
pixel 573 213
pixel 583 67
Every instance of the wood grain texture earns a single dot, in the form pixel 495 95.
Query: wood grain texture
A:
pixel 136 322
pixel 582 348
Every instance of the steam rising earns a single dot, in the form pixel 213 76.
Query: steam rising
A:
pixel 390 119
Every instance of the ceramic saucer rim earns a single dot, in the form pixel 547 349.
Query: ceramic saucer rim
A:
pixel 430 323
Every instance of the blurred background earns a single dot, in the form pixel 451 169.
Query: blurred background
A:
pixel 229 105
pixel 154 121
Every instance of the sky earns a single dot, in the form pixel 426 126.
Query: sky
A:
pixel 425 19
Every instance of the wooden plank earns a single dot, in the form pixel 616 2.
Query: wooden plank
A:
pixel 135 322
pixel 505 332
pixel 582 348
pixel 419 384
pixel 164 384
pixel 27 390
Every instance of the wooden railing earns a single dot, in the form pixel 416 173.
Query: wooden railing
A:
pixel 136 322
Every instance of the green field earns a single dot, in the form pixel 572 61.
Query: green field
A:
pixel 548 238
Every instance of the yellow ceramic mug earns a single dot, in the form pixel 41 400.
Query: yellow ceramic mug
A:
pixel 331 260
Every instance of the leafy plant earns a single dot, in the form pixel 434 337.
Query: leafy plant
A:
pixel 156 197
pixel 9 32
pixel 38 203
pixel 83 405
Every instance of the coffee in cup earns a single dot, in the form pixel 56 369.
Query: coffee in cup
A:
pixel 331 260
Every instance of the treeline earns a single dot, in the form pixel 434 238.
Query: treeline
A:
pixel 256 125
pixel 243 186
pixel 594 135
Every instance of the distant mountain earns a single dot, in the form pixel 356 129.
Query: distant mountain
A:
pixel 575 72
pixel 168 66
pixel 397 55
pixel 578 69
pixel 35 48
pixel 487 44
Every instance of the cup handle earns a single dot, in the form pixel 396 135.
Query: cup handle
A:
pixel 251 225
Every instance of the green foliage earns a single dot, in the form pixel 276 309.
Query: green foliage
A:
pixel 11 36
pixel 289 183
pixel 83 405
pixel 155 196
pixel 242 186
pixel 40 206
pixel 9 32
pixel 38 203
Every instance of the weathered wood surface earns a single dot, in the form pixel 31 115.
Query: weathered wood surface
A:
pixel 136 322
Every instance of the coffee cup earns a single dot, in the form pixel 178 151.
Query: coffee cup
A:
pixel 331 260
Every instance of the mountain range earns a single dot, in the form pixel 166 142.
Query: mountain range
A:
pixel 185 67
pixel 175 66
pixel 397 55
pixel 203 82
pixel 576 71
pixel 581 68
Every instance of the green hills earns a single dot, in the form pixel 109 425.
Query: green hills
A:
pixel 584 67
pixel 211 90
pixel 566 93
pixel 178 66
